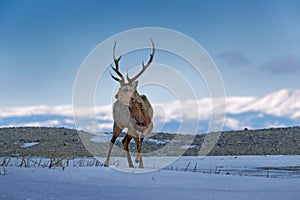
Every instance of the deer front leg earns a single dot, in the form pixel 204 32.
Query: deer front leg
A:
pixel 139 142
pixel 116 132
pixel 125 142
pixel 139 159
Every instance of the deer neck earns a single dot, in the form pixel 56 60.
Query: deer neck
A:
pixel 138 110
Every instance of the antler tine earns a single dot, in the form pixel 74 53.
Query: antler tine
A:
pixel 115 78
pixel 116 68
pixel 144 67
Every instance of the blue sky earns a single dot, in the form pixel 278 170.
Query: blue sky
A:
pixel 255 44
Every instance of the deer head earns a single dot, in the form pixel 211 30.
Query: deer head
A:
pixel 127 90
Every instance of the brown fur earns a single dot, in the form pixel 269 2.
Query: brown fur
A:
pixel 139 108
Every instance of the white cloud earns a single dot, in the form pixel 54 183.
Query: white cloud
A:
pixel 283 103
pixel 167 112
pixel 237 105
pixel 184 110
pixel 69 121
pixel 47 123
pixel 233 123
pixel 65 110
pixel 105 126
pixel 104 112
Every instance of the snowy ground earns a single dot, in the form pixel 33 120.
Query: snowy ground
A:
pixel 109 183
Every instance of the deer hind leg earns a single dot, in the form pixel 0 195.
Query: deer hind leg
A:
pixel 125 142
pixel 116 132
pixel 139 159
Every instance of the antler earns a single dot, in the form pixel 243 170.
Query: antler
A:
pixel 116 69
pixel 144 67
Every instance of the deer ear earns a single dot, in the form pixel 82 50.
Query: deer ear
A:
pixel 135 84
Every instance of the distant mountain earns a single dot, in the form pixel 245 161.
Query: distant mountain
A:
pixel 278 109
pixel 283 103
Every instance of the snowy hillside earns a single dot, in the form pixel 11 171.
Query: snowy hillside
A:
pixel 277 109
pixel 281 108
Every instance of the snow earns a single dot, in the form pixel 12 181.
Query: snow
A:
pixel 29 144
pixel 230 165
pixel 109 183
pixel 155 141
pixel 187 146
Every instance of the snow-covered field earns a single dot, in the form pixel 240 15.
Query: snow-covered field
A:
pixel 262 166
pixel 210 178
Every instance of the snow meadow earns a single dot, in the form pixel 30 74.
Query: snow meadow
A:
pixel 189 177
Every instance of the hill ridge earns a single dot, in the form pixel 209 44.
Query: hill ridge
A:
pixel 65 142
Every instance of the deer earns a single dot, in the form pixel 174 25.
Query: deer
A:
pixel 131 110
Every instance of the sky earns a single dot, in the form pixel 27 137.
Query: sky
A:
pixel 255 44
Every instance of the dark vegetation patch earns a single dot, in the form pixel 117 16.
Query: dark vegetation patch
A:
pixel 67 143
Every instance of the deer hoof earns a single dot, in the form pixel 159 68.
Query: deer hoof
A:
pixel 141 165
pixel 106 164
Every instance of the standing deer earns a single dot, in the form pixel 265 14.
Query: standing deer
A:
pixel 131 110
